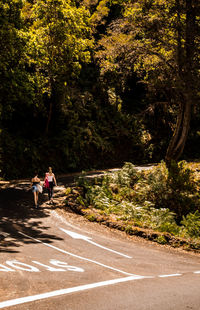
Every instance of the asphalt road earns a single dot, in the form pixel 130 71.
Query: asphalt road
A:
pixel 55 260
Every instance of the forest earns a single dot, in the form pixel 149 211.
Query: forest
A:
pixel 90 84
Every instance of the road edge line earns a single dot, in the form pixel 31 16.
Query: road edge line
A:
pixel 60 292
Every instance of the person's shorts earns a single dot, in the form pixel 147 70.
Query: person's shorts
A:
pixel 51 185
pixel 34 188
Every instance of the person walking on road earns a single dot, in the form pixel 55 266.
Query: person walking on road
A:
pixel 36 188
pixel 50 182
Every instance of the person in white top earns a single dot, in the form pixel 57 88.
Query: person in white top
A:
pixel 50 179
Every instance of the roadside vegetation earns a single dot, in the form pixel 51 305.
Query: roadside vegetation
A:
pixel 158 199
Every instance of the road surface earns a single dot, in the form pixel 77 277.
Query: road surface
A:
pixel 57 260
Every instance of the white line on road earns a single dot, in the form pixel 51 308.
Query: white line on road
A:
pixel 79 236
pixel 77 256
pixel 23 300
pixel 170 275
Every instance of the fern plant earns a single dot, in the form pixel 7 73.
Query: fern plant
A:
pixel 155 199
pixel 191 225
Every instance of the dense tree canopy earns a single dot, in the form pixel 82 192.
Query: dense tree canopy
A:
pixel 159 40
pixel 93 83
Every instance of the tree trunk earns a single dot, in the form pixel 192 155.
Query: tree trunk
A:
pixel 186 84
pixel 177 143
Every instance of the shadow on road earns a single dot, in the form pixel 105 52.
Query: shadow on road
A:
pixel 17 214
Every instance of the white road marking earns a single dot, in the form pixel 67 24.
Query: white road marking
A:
pixel 49 268
pixel 65 265
pixel 21 266
pixel 58 264
pixel 196 272
pixel 23 300
pixel 77 256
pixel 88 239
pixel 5 269
pixel 170 275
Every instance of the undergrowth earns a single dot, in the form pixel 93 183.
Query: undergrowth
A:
pixel 162 199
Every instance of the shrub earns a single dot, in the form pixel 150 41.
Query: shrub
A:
pixel 91 217
pixel 173 188
pixel 161 199
pixel 125 177
pixel 191 225
pixel 161 239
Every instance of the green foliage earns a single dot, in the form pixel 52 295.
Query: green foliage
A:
pixel 191 225
pixel 149 199
pixel 173 188
pixel 148 216
pixel 135 39
pixel 157 40
pixel 15 87
pixel 125 177
pixel 99 197
pixel 161 239
pixel 61 36
pixel 71 93
pixel 68 191
pixel 90 217
pixel 181 178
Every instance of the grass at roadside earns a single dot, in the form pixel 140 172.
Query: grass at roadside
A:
pixel 160 204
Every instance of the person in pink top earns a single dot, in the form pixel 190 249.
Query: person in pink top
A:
pixel 50 182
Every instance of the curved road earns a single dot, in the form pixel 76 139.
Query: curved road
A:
pixel 50 259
